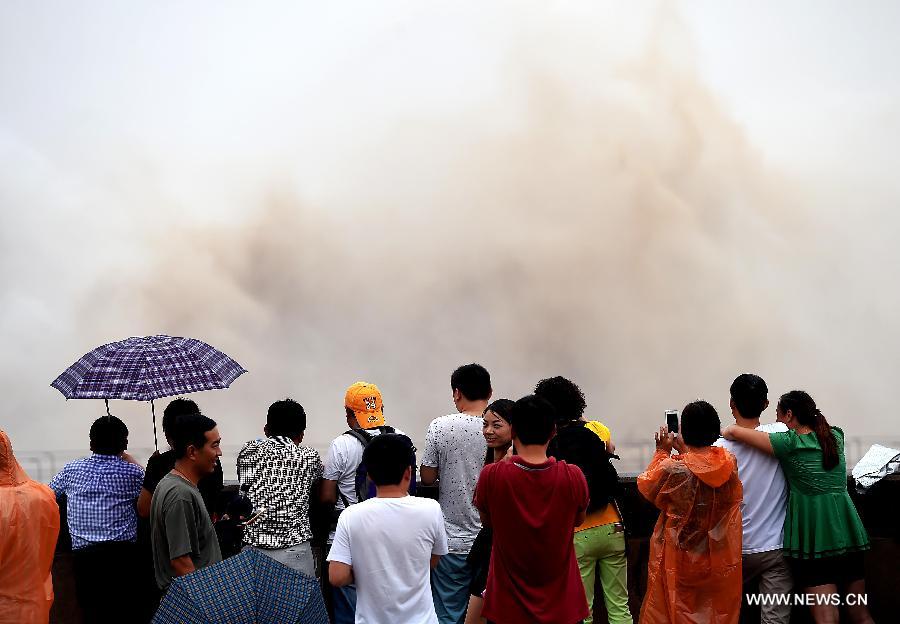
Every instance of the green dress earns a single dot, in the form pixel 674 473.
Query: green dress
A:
pixel 821 519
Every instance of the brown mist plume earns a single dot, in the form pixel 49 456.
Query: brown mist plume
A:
pixel 597 217
pixel 622 239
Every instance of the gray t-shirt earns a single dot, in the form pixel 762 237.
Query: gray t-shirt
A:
pixel 180 525
pixel 455 446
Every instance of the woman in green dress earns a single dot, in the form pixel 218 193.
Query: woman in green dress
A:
pixel 823 535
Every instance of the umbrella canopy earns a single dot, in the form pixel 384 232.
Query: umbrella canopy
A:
pixel 249 588
pixel 146 368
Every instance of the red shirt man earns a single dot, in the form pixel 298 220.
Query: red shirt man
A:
pixel 533 504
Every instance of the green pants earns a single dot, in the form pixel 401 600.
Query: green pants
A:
pixel 603 546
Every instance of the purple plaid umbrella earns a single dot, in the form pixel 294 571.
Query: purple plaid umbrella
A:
pixel 145 368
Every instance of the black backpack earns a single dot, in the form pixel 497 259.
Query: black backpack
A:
pixel 575 444
pixel 365 489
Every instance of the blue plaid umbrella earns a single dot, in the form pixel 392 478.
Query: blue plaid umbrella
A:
pixel 249 588
pixel 145 368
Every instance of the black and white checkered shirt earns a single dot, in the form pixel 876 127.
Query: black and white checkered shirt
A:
pixel 280 476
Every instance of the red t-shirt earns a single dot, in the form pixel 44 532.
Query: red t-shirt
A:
pixel 533 575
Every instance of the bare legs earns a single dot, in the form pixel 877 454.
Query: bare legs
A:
pixel 827 613
pixel 859 614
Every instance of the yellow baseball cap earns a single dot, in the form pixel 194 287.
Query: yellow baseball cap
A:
pixel 365 401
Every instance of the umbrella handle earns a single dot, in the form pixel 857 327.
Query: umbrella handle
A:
pixel 153 411
pixel 107 407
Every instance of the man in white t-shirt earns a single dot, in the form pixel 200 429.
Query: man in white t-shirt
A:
pixel 388 544
pixel 364 409
pixel 765 500
pixel 453 457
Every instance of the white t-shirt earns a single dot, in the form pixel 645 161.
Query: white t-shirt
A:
pixel 455 446
pixel 765 494
pixel 344 457
pixel 389 543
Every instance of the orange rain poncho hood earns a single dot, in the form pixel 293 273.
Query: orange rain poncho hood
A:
pixel 29 526
pixel 694 569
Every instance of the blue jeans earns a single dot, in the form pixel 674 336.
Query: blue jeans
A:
pixel 450 581
pixel 344 604
pixel 343 599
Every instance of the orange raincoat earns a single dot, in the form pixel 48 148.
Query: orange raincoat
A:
pixel 694 570
pixel 29 526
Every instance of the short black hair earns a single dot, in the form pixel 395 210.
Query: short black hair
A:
pixel 473 381
pixel 175 408
pixel 700 425
pixel 387 457
pixel 564 395
pixel 749 393
pixel 286 418
pixel 533 419
pixel 190 431
pixel 109 436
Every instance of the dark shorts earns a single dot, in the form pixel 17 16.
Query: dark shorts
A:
pixel 839 570
pixel 105 581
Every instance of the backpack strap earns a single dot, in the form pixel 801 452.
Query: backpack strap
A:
pixel 365 437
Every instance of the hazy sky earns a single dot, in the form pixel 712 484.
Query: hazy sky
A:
pixel 650 198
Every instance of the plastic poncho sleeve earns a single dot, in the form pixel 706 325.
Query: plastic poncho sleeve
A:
pixel 694 568
pixel 29 526
pixel 656 483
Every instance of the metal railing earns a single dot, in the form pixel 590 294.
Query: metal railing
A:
pixel 634 456
pixel 43 465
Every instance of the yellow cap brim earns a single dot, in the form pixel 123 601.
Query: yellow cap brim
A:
pixel 367 420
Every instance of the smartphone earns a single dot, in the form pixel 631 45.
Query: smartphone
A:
pixel 672 420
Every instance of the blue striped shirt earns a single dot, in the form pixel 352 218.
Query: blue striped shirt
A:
pixel 101 491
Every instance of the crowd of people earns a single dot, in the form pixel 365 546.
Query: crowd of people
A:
pixel 526 517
